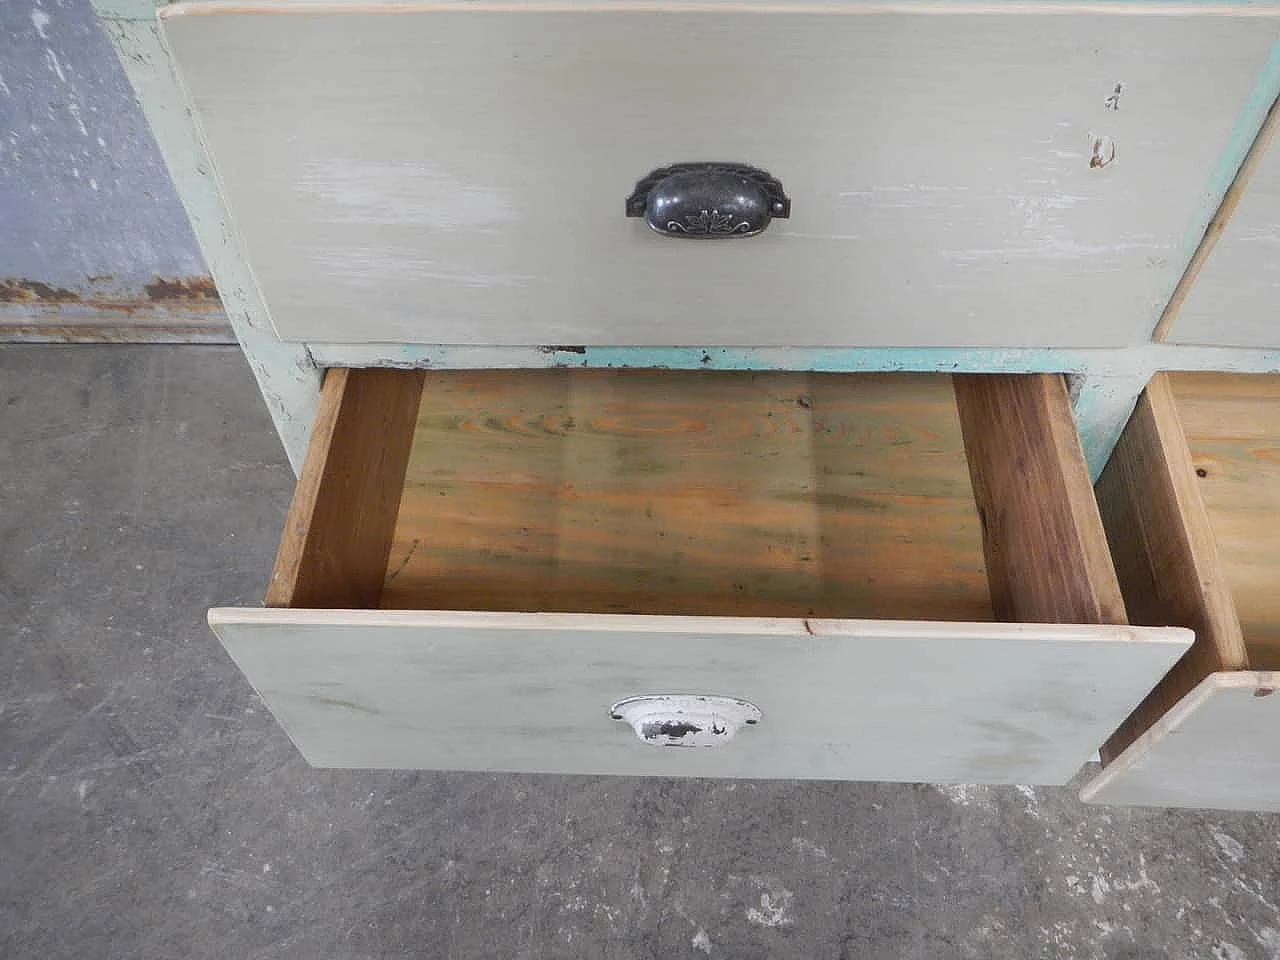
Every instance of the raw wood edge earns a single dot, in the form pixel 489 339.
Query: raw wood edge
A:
pixel 1218 224
pixel 1168 725
pixel 1046 553
pixel 333 552
pixel 1165 555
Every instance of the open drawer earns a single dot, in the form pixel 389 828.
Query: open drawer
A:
pixel 477 573
pixel 1191 502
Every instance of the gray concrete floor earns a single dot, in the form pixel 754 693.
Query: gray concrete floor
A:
pixel 151 808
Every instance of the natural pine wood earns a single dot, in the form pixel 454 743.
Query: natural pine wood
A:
pixel 1165 553
pixel 1232 428
pixel 1046 553
pixel 630 491
pixel 335 542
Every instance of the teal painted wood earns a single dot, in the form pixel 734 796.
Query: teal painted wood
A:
pixel 286 374
pixel 1105 383
pixel 1131 362
pixel 1102 406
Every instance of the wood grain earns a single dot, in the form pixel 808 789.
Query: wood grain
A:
pixel 1232 427
pixel 334 548
pixel 630 491
pixel 1165 553
pixel 1046 553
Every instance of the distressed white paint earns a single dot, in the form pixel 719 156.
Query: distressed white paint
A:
pixel 1234 300
pixel 685 720
pixel 1135 364
pixel 841 699
pixel 1217 749
pixel 457 176
pixel 286 375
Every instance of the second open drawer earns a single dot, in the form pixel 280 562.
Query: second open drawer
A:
pixel 905 574
pixel 1191 502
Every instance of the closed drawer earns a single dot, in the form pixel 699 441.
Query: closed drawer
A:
pixel 1230 302
pixel 1191 502
pixel 906 576
pixel 455 173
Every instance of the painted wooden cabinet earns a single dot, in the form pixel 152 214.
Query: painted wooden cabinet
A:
pixel 562 462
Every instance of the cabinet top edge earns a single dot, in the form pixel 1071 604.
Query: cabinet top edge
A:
pixel 1234 8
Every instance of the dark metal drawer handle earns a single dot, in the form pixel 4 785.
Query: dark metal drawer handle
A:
pixel 708 201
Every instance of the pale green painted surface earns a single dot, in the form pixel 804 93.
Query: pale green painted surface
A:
pixel 286 374
pixel 290 383
pixel 842 699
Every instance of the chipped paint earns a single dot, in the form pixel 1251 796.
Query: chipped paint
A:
pixel 185 289
pixel 171 310
pixel 685 721
pixel 1140 360
pixel 100 295
pixel 131 330
pixel 21 290
pixel 286 373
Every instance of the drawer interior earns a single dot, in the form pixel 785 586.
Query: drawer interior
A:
pixel 1232 429
pixel 885 496
pixel 603 491
pixel 479 566
pixel 1191 505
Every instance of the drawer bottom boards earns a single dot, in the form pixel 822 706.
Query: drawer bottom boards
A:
pixel 478 566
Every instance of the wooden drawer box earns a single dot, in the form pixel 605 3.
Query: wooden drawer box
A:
pixel 1191 502
pixel 905 574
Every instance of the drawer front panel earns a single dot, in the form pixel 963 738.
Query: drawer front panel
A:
pixel 1216 749
pixel 430 175
pixel 1190 502
pixel 876 700
pixel 1232 302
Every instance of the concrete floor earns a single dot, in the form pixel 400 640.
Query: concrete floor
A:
pixel 151 808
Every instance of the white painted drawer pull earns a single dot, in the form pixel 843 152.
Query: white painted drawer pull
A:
pixel 708 201
pixel 674 720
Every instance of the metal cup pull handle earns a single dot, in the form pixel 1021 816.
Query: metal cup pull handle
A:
pixel 709 201
pixel 682 720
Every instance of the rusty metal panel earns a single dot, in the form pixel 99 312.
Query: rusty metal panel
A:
pixel 94 244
